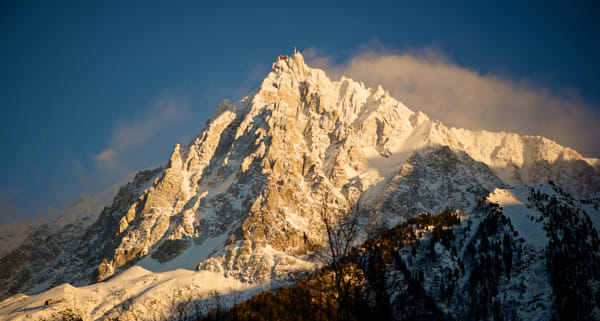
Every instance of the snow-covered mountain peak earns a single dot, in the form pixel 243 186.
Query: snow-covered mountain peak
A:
pixel 245 197
pixel 292 64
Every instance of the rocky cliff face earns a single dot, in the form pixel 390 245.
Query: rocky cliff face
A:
pixel 252 185
pixel 431 180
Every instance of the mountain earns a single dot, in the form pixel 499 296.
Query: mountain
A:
pixel 505 259
pixel 36 251
pixel 244 200
pixel 12 235
pixel 528 253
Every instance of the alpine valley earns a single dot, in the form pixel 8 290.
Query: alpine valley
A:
pixel 435 222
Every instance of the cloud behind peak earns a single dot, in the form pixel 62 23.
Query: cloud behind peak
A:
pixel 465 98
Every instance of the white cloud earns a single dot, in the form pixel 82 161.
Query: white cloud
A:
pixel 108 159
pixel 461 97
pixel 130 134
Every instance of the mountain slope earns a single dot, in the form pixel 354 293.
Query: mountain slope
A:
pixel 12 235
pixel 244 198
pixel 431 180
pixel 39 257
pixel 528 253
pixel 515 260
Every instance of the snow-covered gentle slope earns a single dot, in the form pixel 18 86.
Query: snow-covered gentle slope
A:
pixel 150 294
pixel 527 221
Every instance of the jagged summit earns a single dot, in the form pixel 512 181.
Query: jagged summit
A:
pixel 244 198
pixel 294 64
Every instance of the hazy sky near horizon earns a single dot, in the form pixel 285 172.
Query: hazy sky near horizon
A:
pixel 92 91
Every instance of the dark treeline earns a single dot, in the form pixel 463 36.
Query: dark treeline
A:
pixel 572 254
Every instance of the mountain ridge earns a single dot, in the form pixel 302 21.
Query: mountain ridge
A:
pixel 251 187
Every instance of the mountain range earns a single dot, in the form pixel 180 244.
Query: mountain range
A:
pixel 242 209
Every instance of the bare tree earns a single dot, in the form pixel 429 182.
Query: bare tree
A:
pixel 342 230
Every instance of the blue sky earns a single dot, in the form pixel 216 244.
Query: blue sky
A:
pixel 92 91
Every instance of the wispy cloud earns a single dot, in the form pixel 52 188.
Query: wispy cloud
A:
pixel 164 114
pixel 108 158
pixel 426 80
